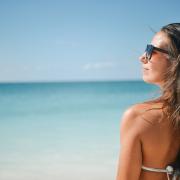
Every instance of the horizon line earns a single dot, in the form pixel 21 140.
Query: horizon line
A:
pixel 69 81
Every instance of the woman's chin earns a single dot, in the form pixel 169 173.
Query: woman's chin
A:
pixel 148 80
pixel 153 81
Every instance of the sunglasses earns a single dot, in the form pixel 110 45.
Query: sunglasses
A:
pixel 149 50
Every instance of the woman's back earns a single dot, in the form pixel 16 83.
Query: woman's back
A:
pixel 160 144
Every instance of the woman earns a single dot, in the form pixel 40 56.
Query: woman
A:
pixel 150 131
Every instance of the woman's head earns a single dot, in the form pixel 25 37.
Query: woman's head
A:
pixel 154 61
pixel 163 69
pixel 156 68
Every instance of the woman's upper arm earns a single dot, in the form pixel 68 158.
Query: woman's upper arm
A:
pixel 130 160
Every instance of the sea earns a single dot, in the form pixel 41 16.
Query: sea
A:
pixel 64 130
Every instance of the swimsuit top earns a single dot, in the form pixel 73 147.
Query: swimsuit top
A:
pixel 169 171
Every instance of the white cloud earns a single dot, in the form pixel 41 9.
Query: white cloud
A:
pixel 98 65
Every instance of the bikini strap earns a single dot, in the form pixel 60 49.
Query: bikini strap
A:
pixel 169 171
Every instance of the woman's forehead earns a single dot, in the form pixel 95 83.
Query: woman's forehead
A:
pixel 160 40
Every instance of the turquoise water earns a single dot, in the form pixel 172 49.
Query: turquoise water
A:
pixel 64 131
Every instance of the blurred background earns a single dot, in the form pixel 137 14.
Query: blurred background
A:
pixel 68 71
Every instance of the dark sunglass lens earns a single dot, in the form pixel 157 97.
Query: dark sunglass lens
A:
pixel 149 50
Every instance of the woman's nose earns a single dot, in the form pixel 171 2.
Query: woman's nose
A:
pixel 143 58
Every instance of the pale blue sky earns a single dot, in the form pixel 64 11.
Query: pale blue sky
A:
pixel 72 40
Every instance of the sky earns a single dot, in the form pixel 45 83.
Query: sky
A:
pixel 78 40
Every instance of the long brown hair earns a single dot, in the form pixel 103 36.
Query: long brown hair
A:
pixel 170 92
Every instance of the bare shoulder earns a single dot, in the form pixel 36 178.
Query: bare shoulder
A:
pixel 135 112
pixel 138 117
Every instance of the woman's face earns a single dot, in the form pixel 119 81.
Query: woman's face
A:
pixel 154 70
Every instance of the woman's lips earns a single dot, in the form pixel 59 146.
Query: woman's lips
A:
pixel 145 70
